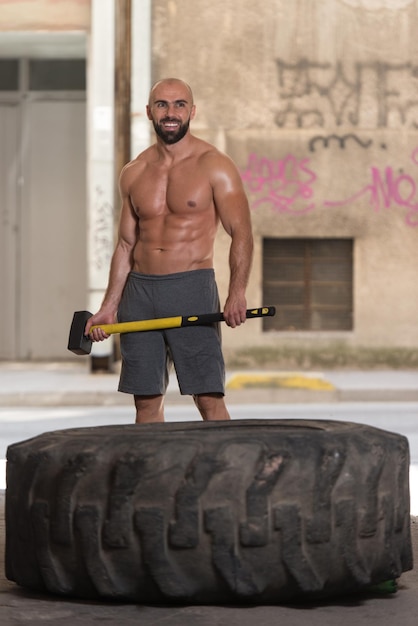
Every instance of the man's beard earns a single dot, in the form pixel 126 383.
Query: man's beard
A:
pixel 171 136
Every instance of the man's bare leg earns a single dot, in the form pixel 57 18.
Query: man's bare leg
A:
pixel 149 409
pixel 211 406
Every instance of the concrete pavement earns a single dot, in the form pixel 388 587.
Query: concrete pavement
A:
pixel 71 383
pixel 23 384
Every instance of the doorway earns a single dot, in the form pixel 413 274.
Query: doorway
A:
pixel 42 204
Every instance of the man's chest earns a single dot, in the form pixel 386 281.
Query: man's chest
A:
pixel 178 190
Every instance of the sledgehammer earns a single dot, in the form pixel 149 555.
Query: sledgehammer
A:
pixel 79 343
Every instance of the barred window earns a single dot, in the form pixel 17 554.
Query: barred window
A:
pixel 57 74
pixel 9 74
pixel 310 282
pixel 43 74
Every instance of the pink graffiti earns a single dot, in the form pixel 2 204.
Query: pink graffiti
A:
pixel 284 182
pixel 280 183
pixel 387 190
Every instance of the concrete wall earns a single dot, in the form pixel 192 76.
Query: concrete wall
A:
pixel 317 102
pixel 51 15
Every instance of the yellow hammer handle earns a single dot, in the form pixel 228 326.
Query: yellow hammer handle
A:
pixel 131 327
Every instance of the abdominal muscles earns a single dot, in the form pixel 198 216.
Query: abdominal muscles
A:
pixel 172 244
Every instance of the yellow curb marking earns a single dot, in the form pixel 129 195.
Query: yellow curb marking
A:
pixel 286 380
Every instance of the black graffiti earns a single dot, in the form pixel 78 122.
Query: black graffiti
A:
pixel 375 94
pixel 102 230
pixel 340 139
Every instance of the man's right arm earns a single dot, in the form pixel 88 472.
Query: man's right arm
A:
pixel 120 266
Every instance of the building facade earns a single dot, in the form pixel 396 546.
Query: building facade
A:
pixel 317 103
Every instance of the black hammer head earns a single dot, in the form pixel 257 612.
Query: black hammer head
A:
pixel 77 341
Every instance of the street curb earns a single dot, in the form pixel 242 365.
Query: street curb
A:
pixel 249 395
pixel 66 385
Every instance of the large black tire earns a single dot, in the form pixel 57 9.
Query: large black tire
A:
pixel 259 511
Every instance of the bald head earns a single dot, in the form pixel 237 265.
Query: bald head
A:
pixel 171 82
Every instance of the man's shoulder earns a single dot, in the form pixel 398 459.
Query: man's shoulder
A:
pixel 141 159
pixel 211 155
pixel 214 161
pixel 134 167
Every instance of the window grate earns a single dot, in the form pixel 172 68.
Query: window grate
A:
pixel 310 282
pixel 9 74
pixel 57 74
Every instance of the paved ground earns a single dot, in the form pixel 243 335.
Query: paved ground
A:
pixel 71 384
pixel 58 384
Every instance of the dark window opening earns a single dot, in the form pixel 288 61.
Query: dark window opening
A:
pixel 57 74
pixel 9 74
pixel 310 282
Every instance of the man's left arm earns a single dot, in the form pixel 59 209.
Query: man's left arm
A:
pixel 232 207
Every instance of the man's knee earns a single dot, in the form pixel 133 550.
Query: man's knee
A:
pixel 211 406
pixel 149 409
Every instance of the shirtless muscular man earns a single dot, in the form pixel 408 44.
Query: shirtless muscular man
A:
pixel 174 194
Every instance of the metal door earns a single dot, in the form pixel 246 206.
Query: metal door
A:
pixel 53 222
pixel 43 273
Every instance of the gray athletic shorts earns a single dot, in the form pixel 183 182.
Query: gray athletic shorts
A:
pixel 195 350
